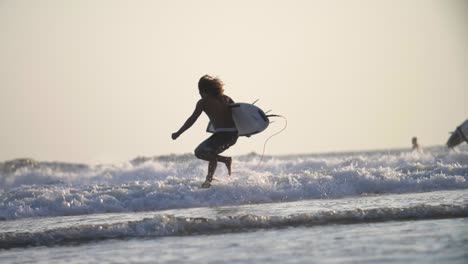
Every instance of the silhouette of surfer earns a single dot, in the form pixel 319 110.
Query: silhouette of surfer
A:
pixel 415 143
pixel 215 104
pixel 458 136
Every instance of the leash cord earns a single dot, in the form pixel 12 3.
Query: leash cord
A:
pixel 264 144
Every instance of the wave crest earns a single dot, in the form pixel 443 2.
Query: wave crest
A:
pixel 170 225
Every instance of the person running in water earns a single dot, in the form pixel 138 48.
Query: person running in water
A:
pixel 215 104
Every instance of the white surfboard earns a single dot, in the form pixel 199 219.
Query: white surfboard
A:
pixel 249 119
pixel 459 135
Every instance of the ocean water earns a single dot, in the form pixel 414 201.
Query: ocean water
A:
pixel 393 206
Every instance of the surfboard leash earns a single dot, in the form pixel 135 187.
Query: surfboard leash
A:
pixel 264 144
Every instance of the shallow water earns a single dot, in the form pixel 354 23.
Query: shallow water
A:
pixel 427 241
pixel 363 207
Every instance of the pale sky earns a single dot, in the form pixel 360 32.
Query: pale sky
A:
pixel 107 80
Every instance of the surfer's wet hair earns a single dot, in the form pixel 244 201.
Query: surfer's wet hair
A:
pixel 210 85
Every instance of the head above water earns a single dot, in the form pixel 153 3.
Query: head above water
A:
pixel 209 85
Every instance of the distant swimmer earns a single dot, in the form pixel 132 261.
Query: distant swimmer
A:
pixel 415 143
pixel 215 104
pixel 458 136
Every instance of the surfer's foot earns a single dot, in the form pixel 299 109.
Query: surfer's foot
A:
pixel 228 164
pixel 206 184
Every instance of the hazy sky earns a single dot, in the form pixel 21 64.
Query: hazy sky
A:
pixel 106 80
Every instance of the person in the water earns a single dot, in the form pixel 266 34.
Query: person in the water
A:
pixel 415 143
pixel 215 104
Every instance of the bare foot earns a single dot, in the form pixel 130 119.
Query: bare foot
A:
pixel 228 165
pixel 206 185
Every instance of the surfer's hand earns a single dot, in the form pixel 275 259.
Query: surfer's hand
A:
pixel 175 135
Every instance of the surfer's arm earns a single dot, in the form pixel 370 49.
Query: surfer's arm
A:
pixel 190 121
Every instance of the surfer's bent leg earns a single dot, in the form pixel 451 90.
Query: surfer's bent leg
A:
pixel 227 161
pixel 210 148
pixel 204 151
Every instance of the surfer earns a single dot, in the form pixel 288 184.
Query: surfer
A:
pixel 415 143
pixel 215 104
pixel 458 136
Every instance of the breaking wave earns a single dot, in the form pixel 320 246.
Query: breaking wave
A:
pixel 170 225
pixel 30 189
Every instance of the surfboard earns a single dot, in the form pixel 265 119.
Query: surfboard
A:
pixel 459 135
pixel 248 118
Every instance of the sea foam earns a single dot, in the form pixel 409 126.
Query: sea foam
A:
pixel 31 189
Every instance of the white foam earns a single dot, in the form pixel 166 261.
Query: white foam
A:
pixel 55 189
